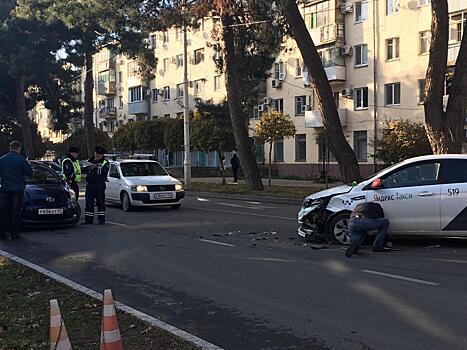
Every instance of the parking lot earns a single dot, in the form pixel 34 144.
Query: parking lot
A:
pixel 236 274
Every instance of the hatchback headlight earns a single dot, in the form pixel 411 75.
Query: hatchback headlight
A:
pixel 72 195
pixel 178 187
pixel 311 202
pixel 139 188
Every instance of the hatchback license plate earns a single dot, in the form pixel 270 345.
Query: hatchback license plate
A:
pixel 51 211
pixel 163 195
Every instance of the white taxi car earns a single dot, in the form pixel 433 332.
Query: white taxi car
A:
pixel 420 196
pixel 142 183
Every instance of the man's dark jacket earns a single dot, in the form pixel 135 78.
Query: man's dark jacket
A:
pixel 369 210
pixel 13 169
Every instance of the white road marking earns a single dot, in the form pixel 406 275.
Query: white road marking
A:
pixel 449 260
pixel 216 242
pixel 271 259
pixel 409 279
pixel 231 205
pixel 199 199
pixel 117 224
pixel 203 344
pixel 254 203
pixel 242 213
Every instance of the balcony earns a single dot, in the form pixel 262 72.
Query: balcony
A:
pixel 140 107
pixel 453 52
pixel 106 88
pixel 108 112
pixel 313 118
pixel 332 32
pixel 335 73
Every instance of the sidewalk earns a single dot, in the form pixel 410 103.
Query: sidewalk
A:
pixel 275 182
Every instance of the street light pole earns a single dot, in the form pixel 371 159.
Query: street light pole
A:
pixel 186 110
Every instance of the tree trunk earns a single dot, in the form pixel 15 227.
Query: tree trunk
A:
pixel 237 115
pixel 269 165
pixel 89 106
pixel 444 127
pixel 221 156
pixel 339 146
pixel 24 119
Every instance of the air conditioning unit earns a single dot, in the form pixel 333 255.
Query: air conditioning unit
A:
pixel 261 108
pixel 347 92
pixel 267 101
pixel 281 76
pixel 160 92
pixel 303 108
pixel 346 7
pixel 276 83
pixel 346 50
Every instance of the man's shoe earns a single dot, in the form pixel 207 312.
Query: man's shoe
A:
pixel 352 249
pixel 381 250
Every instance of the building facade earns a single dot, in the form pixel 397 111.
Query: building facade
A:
pixel 375 54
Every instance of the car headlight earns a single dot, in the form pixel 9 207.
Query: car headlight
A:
pixel 311 202
pixel 139 188
pixel 178 187
pixel 72 195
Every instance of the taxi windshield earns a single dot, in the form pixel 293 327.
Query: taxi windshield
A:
pixel 142 169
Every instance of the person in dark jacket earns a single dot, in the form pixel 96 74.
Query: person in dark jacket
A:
pixel 235 163
pixel 13 169
pixel 95 187
pixel 71 169
pixel 366 217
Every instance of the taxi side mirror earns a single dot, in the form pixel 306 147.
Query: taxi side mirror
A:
pixel 376 184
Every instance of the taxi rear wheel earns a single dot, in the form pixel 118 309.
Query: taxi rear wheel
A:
pixel 338 228
pixel 126 204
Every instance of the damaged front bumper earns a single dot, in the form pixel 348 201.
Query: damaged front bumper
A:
pixel 312 221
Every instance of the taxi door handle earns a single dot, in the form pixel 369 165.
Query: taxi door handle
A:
pixel 425 194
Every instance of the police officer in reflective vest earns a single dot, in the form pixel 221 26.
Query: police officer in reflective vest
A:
pixel 72 169
pixel 95 187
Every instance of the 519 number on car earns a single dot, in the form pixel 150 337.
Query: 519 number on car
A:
pixel 453 192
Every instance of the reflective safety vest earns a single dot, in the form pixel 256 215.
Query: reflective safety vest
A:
pixel 76 168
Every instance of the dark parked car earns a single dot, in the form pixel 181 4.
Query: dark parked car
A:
pixel 48 200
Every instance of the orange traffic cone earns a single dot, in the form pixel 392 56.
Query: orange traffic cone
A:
pixel 110 334
pixel 58 336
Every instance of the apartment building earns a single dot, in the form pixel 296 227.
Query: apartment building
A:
pixel 375 56
pixel 43 118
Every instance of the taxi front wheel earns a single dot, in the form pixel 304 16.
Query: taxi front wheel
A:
pixel 126 203
pixel 338 228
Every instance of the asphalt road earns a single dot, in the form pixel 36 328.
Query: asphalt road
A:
pixel 235 273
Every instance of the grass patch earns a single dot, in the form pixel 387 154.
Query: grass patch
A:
pixel 273 191
pixel 24 315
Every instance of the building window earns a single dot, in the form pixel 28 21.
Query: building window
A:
pixel 166 93
pixel 278 105
pixel 279 151
pixel 393 94
pixel 457 23
pixel 133 69
pixel 361 11
pixel 120 102
pixel 425 2
pixel 298 68
pixel 179 90
pixel 217 83
pixel 300 105
pixel 421 91
pixel 360 145
pixel 278 70
pixel 199 86
pixel 425 38
pixel 317 15
pixel 198 56
pixel 120 77
pixel 165 38
pixel 165 64
pixel 361 98
pixel 152 41
pixel 135 94
pixel 154 95
pixel 392 6
pixel 300 148
pixel 392 49
pixel 179 60
pixel 178 33
pixel 361 55
pixel 167 115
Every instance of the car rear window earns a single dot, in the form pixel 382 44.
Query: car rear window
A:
pixel 455 171
pixel 142 169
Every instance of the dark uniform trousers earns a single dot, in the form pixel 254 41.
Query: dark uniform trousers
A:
pixel 95 193
pixel 11 204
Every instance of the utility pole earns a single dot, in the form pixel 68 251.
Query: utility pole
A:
pixel 186 107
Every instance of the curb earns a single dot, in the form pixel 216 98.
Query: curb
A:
pixel 241 197
pixel 190 338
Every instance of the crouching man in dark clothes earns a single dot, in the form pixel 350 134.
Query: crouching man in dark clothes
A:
pixel 367 217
